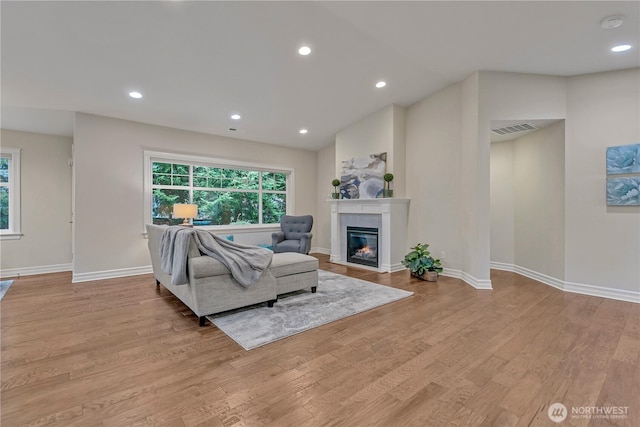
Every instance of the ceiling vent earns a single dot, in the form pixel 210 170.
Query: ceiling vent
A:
pixel 523 127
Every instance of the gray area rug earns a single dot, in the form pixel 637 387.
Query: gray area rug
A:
pixel 337 297
pixel 4 287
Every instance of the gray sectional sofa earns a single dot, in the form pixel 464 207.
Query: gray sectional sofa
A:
pixel 211 288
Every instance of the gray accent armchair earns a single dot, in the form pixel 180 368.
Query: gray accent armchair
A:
pixel 295 235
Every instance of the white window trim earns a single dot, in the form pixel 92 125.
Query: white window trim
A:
pixel 150 156
pixel 15 228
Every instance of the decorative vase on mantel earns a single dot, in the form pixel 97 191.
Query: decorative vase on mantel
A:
pixel 387 192
pixel 335 183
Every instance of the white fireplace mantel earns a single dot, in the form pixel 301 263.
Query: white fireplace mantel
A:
pixel 389 215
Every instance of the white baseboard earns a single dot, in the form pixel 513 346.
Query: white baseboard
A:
pixel 476 283
pixel 539 277
pixel 449 272
pixel 396 267
pixel 323 251
pixel 30 271
pixel 598 291
pixel 467 278
pixel 576 288
pixel 501 266
pixel 111 274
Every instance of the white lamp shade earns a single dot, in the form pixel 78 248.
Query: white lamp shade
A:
pixel 183 210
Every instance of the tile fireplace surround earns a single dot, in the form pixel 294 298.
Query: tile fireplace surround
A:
pixel 389 216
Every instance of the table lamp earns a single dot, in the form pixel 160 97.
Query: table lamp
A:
pixel 186 211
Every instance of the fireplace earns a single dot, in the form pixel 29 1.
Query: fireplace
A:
pixel 388 216
pixel 362 246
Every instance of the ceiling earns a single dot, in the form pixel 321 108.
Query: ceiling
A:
pixel 196 63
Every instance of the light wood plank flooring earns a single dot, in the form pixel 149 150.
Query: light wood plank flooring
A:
pixel 122 353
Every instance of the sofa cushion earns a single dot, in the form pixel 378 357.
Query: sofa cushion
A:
pixel 205 266
pixel 287 263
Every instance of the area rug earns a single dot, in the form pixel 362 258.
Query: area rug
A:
pixel 4 287
pixel 337 297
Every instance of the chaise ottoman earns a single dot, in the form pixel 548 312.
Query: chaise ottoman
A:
pixel 294 271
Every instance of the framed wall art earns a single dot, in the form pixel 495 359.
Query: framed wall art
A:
pixel 623 191
pixel 362 177
pixel 623 159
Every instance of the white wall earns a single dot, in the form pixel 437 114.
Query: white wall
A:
pixel 322 221
pixel 539 201
pixel 527 202
pixel 502 204
pixel 501 96
pixel 109 186
pixel 474 189
pixel 398 166
pixel 603 243
pixel 433 173
pixel 376 133
pixel 370 135
pixel 45 205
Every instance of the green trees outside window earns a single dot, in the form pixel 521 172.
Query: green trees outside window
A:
pixel 225 196
pixel 4 193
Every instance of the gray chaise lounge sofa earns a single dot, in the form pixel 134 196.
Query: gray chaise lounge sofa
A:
pixel 212 289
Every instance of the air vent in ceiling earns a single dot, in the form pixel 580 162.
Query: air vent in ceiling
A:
pixel 523 127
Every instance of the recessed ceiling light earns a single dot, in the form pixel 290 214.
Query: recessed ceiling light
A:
pixel 304 50
pixel 303 131
pixel 381 84
pixel 136 95
pixel 621 48
pixel 235 116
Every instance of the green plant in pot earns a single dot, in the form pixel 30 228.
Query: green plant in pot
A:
pixel 336 193
pixel 387 192
pixel 421 264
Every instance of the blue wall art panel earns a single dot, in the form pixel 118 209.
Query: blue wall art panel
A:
pixel 361 178
pixel 623 159
pixel 624 191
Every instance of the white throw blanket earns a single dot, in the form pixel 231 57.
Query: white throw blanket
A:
pixel 245 262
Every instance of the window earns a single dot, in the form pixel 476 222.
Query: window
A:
pixel 226 194
pixel 10 193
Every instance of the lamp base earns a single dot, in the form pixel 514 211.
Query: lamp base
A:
pixel 185 223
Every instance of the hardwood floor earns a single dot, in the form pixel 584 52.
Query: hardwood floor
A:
pixel 120 352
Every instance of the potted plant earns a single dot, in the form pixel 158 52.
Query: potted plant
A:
pixel 387 192
pixel 421 264
pixel 336 184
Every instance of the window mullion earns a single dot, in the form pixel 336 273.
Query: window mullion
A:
pixel 260 211
pixel 191 183
pixel 169 187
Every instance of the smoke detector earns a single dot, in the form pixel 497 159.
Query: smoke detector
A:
pixel 612 22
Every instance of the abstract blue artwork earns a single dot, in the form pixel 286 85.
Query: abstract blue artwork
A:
pixel 623 159
pixel 624 191
pixel 361 178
